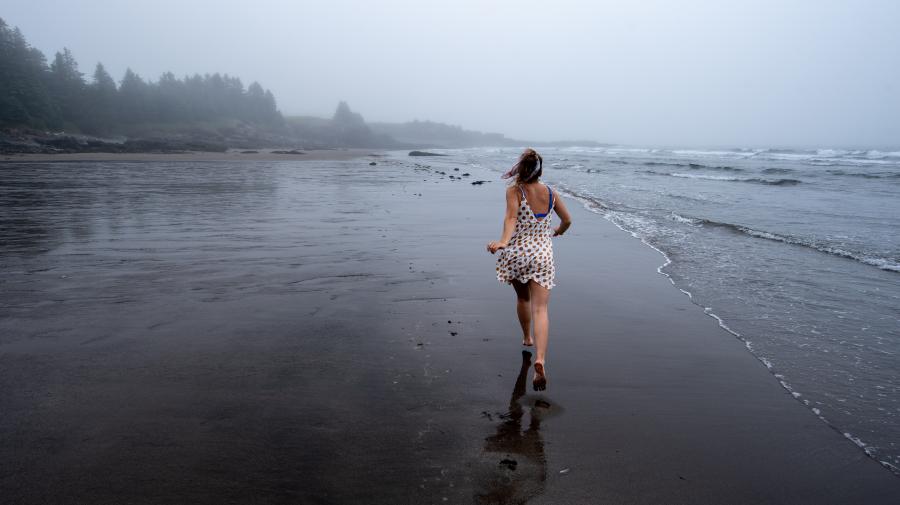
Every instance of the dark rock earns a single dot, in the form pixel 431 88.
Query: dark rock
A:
pixel 63 143
pixel 424 153
pixel 509 463
pixel 249 152
pixel 478 183
pixel 373 163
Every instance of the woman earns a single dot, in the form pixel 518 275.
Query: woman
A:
pixel 526 259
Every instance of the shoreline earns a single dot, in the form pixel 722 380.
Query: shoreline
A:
pixel 587 204
pixel 353 343
pixel 230 155
pixel 593 207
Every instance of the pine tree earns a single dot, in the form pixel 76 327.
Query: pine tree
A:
pixel 66 86
pixel 171 100
pixel 37 95
pixel 351 128
pixel 132 98
pixel 24 99
pixel 101 103
pixel 271 109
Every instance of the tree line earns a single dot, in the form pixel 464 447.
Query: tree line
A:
pixel 56 96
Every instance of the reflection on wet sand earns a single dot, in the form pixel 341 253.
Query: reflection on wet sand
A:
pixel 513 465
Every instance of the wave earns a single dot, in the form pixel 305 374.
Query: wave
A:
pixel 872 154
pixel 565 166
pixel 698 166
pixel 754 180
pixel 860 162
pixel 692 166
pixel 678 218
pixel 716 153
pixel 778 170
pixel 891 265
pixel 816 157
pixel 865 175
pixel 664 163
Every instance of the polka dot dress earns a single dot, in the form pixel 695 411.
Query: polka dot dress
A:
pixel 529 254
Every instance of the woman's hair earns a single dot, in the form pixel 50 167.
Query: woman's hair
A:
pixel 529 167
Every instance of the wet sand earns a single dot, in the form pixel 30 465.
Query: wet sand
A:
pixel 247 155
pixel 331 332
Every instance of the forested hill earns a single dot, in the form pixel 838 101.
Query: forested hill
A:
pixel 35 94
pixel 52 108
pixel 432 134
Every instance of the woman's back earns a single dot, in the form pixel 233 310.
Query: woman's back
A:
pixel 539 198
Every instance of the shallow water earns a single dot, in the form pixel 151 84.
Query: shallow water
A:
pixel 796 252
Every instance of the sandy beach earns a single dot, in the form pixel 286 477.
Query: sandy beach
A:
pixel 329 331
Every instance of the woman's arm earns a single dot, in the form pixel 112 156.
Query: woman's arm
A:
pixel 563 213
pixel 509 220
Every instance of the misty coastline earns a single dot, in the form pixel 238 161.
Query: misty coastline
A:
pixel 51 109
pixel 296 133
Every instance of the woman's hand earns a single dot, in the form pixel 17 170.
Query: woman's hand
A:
pixel 495 246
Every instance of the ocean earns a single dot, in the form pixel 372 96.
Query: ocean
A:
pixel 794 252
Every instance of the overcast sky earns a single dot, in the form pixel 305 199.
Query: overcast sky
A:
pixel 817 73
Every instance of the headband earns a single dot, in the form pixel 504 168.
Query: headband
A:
pixel 518 168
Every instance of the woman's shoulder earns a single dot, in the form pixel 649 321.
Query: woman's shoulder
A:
pixel 513 195
pixel 554 194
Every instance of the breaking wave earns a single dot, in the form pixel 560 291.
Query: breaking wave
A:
pixel 891 265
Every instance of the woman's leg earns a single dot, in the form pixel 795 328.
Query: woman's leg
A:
pixel 523 309
pixel 540 297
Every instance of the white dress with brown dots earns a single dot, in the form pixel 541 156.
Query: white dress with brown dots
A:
pixel 529 254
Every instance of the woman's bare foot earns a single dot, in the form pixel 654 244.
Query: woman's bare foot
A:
pixel 539 382
pixel 527 342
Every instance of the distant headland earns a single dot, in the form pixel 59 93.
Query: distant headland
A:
pixel 51 108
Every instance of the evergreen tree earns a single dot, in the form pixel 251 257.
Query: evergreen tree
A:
pixel 344 116
pixel 271 110
pixel 351 127
pixel 102 102
pixel 171 100
pixel 66 86
pixel 24 99
pixel 37 95
pixel 133 97
pixel 103 82
pixel 256 103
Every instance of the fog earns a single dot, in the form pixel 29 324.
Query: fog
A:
pixel 667 73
